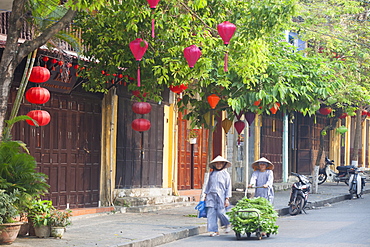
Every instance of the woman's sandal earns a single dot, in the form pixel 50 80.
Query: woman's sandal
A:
pixel 214 234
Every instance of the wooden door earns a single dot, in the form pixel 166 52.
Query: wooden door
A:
pixel 192 158
pixel 272 141
pixel 67 150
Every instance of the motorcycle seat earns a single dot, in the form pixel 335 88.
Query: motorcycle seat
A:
pixel 345 168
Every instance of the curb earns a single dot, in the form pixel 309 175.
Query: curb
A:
pixel 168 237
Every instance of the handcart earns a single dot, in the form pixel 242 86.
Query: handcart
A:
pixel 252 217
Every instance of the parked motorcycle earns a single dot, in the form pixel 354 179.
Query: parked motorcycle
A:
pixel 327 173
pixel 356 182
pixel 299 194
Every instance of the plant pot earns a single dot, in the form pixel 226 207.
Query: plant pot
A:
pixel 42 231
pixel 193 140
pixel 57 232
pixel 9 232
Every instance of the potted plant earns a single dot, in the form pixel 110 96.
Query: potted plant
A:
pixel 59 220
pixel 193 134
pixel 40 215
pixel 9 227
pixel 18 173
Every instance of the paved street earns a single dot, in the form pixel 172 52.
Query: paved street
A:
pixel 345 223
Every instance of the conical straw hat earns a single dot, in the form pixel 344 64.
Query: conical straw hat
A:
pixel 220 159
pixel 269 166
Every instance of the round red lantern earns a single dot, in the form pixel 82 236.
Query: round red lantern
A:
pixel 40 116
pixel 325 110
pixel 141 107
pixel 343 115
pixel 192 54
pixel 37 95
pixel 213 100
pixel 140 124
pixel 178 89
pixel 363 113
pixel 39 74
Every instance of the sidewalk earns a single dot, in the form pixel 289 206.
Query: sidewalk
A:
pixel 155 228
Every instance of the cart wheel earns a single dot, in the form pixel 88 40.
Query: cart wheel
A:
pixel 258 235
pixel 248 234
pixel 237 234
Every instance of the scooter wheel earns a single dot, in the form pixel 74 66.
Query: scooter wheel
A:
pixel 258 235
pixel 322 178
pixel 248 234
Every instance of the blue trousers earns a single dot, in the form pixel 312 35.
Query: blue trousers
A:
pixel 212 215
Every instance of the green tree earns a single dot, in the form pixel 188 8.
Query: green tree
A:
pixel 32 11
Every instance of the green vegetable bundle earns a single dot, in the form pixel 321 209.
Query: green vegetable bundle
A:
pixel 262 217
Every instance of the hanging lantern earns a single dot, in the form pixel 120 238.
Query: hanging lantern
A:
pixel 153 5
pixel 178 89
pixel 226 30
pixel 239 126
pixel 37 95
pixel 226 124
pixel 141 107
pixel 275 108
pixel 192 54
pixel 138 47
pixel 250 116
pixel 140 124
pixel 363 113
pixel 40 116
pixel 213 100
pixel 39 74
pixel 325 110
pixel 344 115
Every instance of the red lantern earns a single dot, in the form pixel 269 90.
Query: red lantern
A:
pixel 40 116
pixel 37 95
pixel 250 116
pixel 153 5
pixel 192 54
pixel 344 115
pixel 226 30
pixel 325 110
pixel 138 47
pixel 213 100
pixel 140 124
pixel 364 112
pixel 275 108
pixel 141 107
pixel 39 74
pixel 178 89
pixel 239 126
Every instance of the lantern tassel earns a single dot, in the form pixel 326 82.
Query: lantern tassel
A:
pixel 226 66
pixel 153 33
pixel 138 75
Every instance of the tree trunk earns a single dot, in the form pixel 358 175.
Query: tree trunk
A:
pixel 315 172
pixel 357 137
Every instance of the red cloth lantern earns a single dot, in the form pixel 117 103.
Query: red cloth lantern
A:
pixel 250 116
pixel 140 124
pixel 192 54
pixel 344 115
pixel 138 47
pixel 39 74
pixel 275 108
pixel 40 116
pixel 226 30
pixel 153 5
pixel 141 107
pixel 325 110
pixel 37 95
pixel 178 89
pixel 213 100
pixel 239 126
pixel 364 112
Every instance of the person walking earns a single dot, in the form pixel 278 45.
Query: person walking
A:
pixel 218 192
pixel 262 178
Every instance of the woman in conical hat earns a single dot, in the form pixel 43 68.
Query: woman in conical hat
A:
pixel 263 178
pixel 218 192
